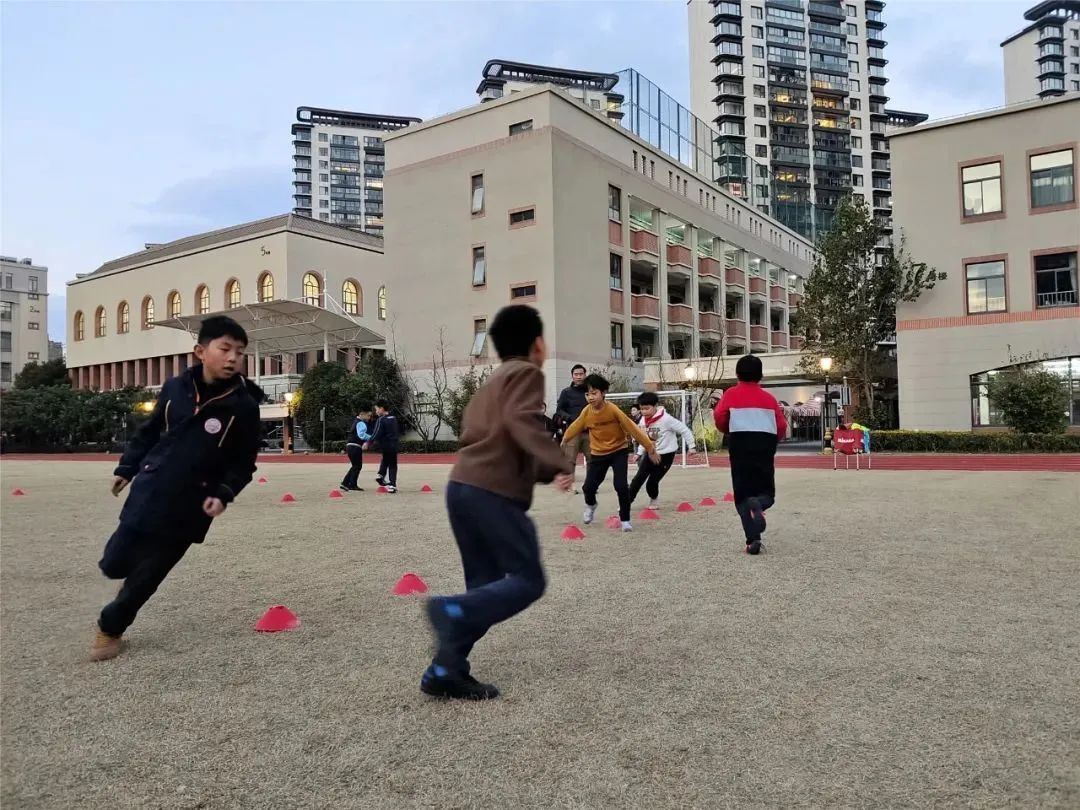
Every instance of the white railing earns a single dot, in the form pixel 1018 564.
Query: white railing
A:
pixel 1065 298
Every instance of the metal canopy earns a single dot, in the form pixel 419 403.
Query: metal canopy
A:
pixel 282 327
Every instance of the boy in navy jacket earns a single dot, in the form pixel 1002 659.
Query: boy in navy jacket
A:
pixel 753 420
pixel 185 465
pixel 386 437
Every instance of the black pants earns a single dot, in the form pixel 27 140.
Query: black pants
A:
pixel 503 575
pixel 649 475
pixel 597 472
pixel 388 467
pixel 143 561
pixel 356 458
pixel 749 529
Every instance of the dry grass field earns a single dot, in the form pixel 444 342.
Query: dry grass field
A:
pixel 907 640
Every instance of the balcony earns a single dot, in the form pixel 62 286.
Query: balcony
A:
pixel 757 286
pixel 614 233
pixel 826 10
pixel 645 306
pixel 679 255
pixel 1051 300
pixel 615 301
pixel 644 242
pixel 777 294
pixel 735 328
pixel 680 315
pixel 780 340
pixel 735 277
pixel 709 322
pixel 708 269
pixel 794 299
pixel 759 334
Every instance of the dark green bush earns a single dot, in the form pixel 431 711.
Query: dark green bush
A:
pixel 922 441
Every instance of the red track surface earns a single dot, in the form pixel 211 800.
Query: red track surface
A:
pixel 1054 462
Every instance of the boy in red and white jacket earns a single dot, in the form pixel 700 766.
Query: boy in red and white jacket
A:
pixel 753 421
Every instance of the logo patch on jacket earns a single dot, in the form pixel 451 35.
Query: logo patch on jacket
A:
pixel 212 426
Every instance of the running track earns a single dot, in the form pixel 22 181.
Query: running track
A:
pixel 1052 462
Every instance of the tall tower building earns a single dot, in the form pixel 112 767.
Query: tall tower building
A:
pixel 24 316
pixel 1043 60
pixel 797 91
pixel 338 160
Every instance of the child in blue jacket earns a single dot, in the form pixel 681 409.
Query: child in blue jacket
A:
pixel 354 449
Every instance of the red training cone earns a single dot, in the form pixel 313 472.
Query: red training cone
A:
pixel 426 488
pixel 276 619
pixel 409 584
pixel 572 532
pixel 648 514
pixel 287 498
pixel 262 480
pixel 382 490
pixel 613 522
pixel 684 507
pixel 707 502
pixel 17 492
pixel 335 493
pixel 729 497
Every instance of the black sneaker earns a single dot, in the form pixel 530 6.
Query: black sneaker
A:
pixel 380 480
pixel 757 514
pixel 754 548
pixel 461 688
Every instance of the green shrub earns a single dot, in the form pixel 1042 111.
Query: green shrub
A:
pixel 708 437
pixel 923 441
pixel 1031 400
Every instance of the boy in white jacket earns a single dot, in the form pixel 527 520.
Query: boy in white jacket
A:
pixel 664 429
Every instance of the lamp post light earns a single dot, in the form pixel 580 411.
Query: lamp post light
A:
pixel 287 432
pixel 690 372
pixel 826 364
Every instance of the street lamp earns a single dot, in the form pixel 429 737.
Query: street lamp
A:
pixel 689 372
pixel 826 366
pixel 287 428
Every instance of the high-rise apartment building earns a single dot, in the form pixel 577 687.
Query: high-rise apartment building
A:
pixel 24 318
pixel 1043 60
pixel 338 164
pixel 797 91
pixel 595 90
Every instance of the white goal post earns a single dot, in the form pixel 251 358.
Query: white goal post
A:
pixel 677 402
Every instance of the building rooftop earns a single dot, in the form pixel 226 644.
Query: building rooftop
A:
pixel 282 222
pixel 344 118
pixel 1047 11
pixel 1008 109
pixel 499 71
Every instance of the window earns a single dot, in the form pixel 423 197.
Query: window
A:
pixel 759 111
pixel 148 313
pixel 982 189
pixel 520 292
pixel 1076 85
pixel 761 150
pixel 477 185
pixel 614 203
pixel 852 29
pixel 323 151
pixel 350 297
pixel 1074 50
pixel 5 372
pixel 522 219
pixel 760 131
pixel 79 326
pixel 856 142
pixel 33 355
pixel 5 341
pixel 202 299
pixel 33 284
pixel 324 164
pixel 755 12
pixel 521 126
pixel 9 280
pixel 616 341
pixel 757 32
pixel 856 86
pixel 382 303
pixel 232 294
pixel 312 288
pixel 852 11
pixel 6 310
pixel 984 414
pixel 856 122
pixel 985 286
pixel 322 137
pixel 853 67
pixel 853 49
pixel 758 52
pixel 759 72
pixel 324 203
pixel 33 326
pixel 479 344
pixel 855 104
pixel 100 322
pixel 123 319
pixel 1055 280
pixel 1052 181
pixel 266 288
pixel 479 266
pixel 856 179
pixel 172 304
pixel 615 280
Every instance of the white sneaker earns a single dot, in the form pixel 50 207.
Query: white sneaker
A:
pixel 627 526
pixel 391 490
pixel 590 513
pixel 654 504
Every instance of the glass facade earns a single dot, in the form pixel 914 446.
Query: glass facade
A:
pixel 984 414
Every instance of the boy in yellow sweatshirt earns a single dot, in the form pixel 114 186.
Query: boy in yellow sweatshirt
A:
pixel 608 429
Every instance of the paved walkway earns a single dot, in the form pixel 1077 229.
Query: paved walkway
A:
pixel 1020 462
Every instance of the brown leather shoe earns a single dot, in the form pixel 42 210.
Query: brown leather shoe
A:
pixel 105 646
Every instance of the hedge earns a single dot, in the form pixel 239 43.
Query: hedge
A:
pixel 925 441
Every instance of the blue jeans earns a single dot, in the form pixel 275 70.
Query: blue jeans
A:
pixel 500 553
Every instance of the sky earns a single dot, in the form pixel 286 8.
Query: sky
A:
pixel 135 122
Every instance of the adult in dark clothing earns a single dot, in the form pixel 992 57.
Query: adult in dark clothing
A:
pixel 386 436
pixel 354 449
pixel 186 464
pixel 568 408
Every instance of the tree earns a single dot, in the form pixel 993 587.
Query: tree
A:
pixel 322 390
pixel 851 297
pixel 1031 400
pixel 459 397
pixel 43 375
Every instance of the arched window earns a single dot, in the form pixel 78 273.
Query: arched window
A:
pixel 382 303
pixel 80 325
pixel 350 297
pixel 232 294
pixel 99 322
pixel 174 304
pixel 123 318
pixel 202 299
pixel 312 289
pixel 148 313
pixel 266 288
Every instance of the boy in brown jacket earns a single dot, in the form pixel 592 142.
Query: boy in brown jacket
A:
pixel 609 429
pixel 505 451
